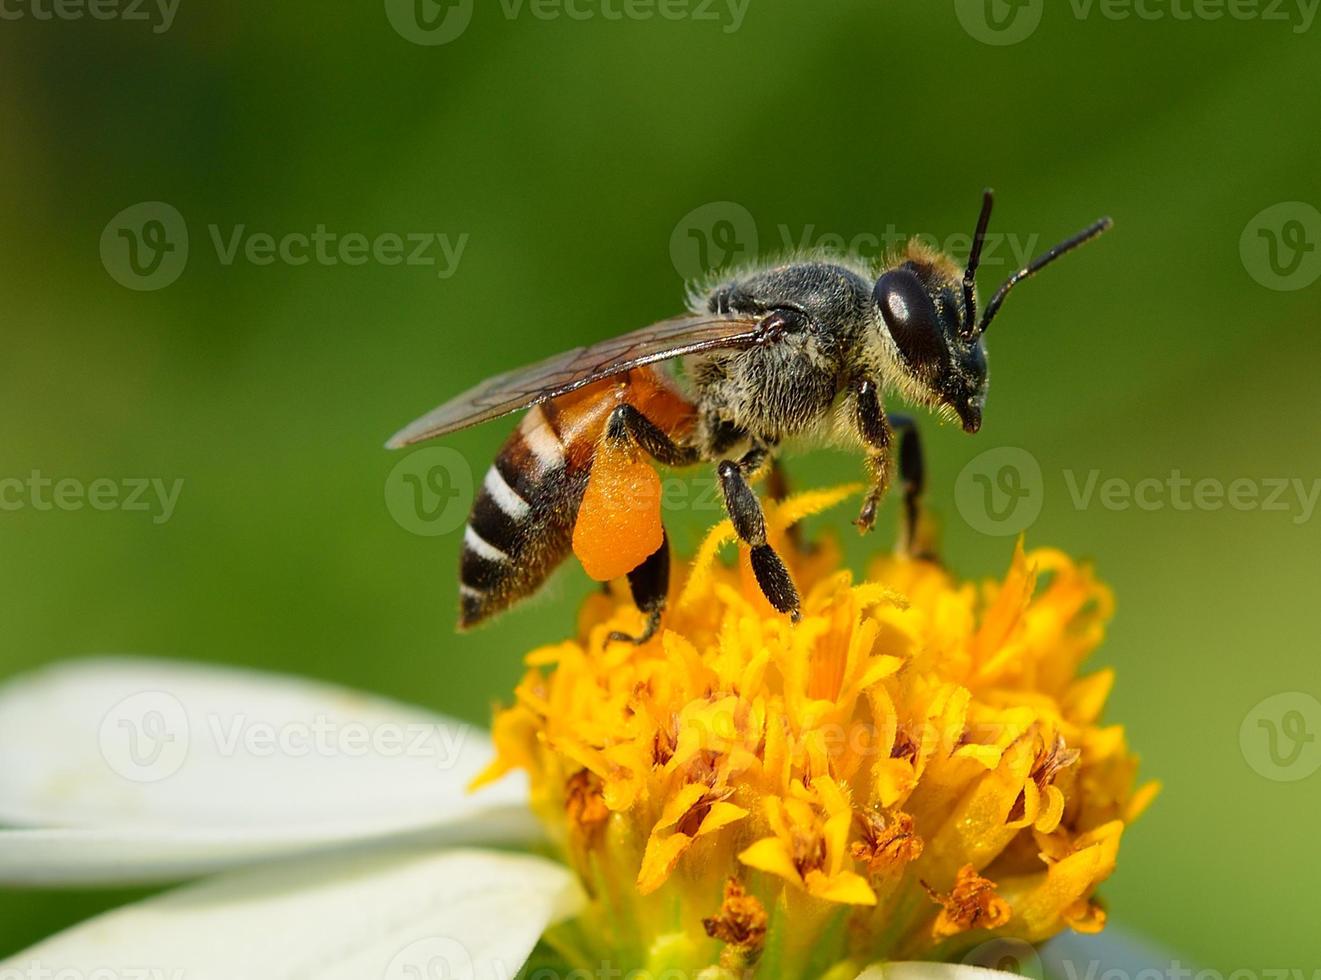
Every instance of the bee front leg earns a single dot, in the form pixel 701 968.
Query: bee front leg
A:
pixel 874 430
pixel 877 433
pixel 750 525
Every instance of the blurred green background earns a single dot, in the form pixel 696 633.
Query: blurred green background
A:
pixel 570 153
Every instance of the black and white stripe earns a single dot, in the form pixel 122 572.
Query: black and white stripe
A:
pixel 521 526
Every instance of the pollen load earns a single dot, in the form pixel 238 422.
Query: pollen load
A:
pixel 544 496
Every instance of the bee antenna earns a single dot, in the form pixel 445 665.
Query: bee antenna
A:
pixel 974 260
pixel 1037 264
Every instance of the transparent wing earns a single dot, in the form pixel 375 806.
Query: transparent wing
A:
pixel 526 386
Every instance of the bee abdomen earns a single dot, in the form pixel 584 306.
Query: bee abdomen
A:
pixel 521 526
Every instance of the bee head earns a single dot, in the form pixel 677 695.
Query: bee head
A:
pixel 921 303
pixel 929 307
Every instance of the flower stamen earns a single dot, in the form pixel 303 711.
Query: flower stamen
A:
pixel 740 924
pixel 972 904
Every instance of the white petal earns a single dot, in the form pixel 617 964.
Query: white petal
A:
pixel 203 761
pixel 85 856
pixel 1068 954
pixel 392 915
pixel 918 970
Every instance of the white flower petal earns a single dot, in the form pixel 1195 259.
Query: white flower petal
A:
pixel 253 764
pixel 392 915
pixel 87 856
pixel 1068 954
pixel 918 970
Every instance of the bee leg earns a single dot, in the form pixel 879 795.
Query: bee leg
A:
pixel 750 525
pixel 912 475
pixel 650 584
pixel 627 422
pixel 874 429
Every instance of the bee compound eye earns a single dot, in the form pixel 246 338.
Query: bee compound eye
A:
pixel 910 314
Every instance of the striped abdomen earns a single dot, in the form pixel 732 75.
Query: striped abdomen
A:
pixel 522 520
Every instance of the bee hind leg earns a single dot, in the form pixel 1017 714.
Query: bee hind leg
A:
pixel 750 525
pixel 650 581
pixel 650 584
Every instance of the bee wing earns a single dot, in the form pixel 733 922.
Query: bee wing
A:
pixel 555 376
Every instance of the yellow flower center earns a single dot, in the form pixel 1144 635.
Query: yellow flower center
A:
pixel 912 770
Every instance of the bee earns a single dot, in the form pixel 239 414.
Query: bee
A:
pixel 801 352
